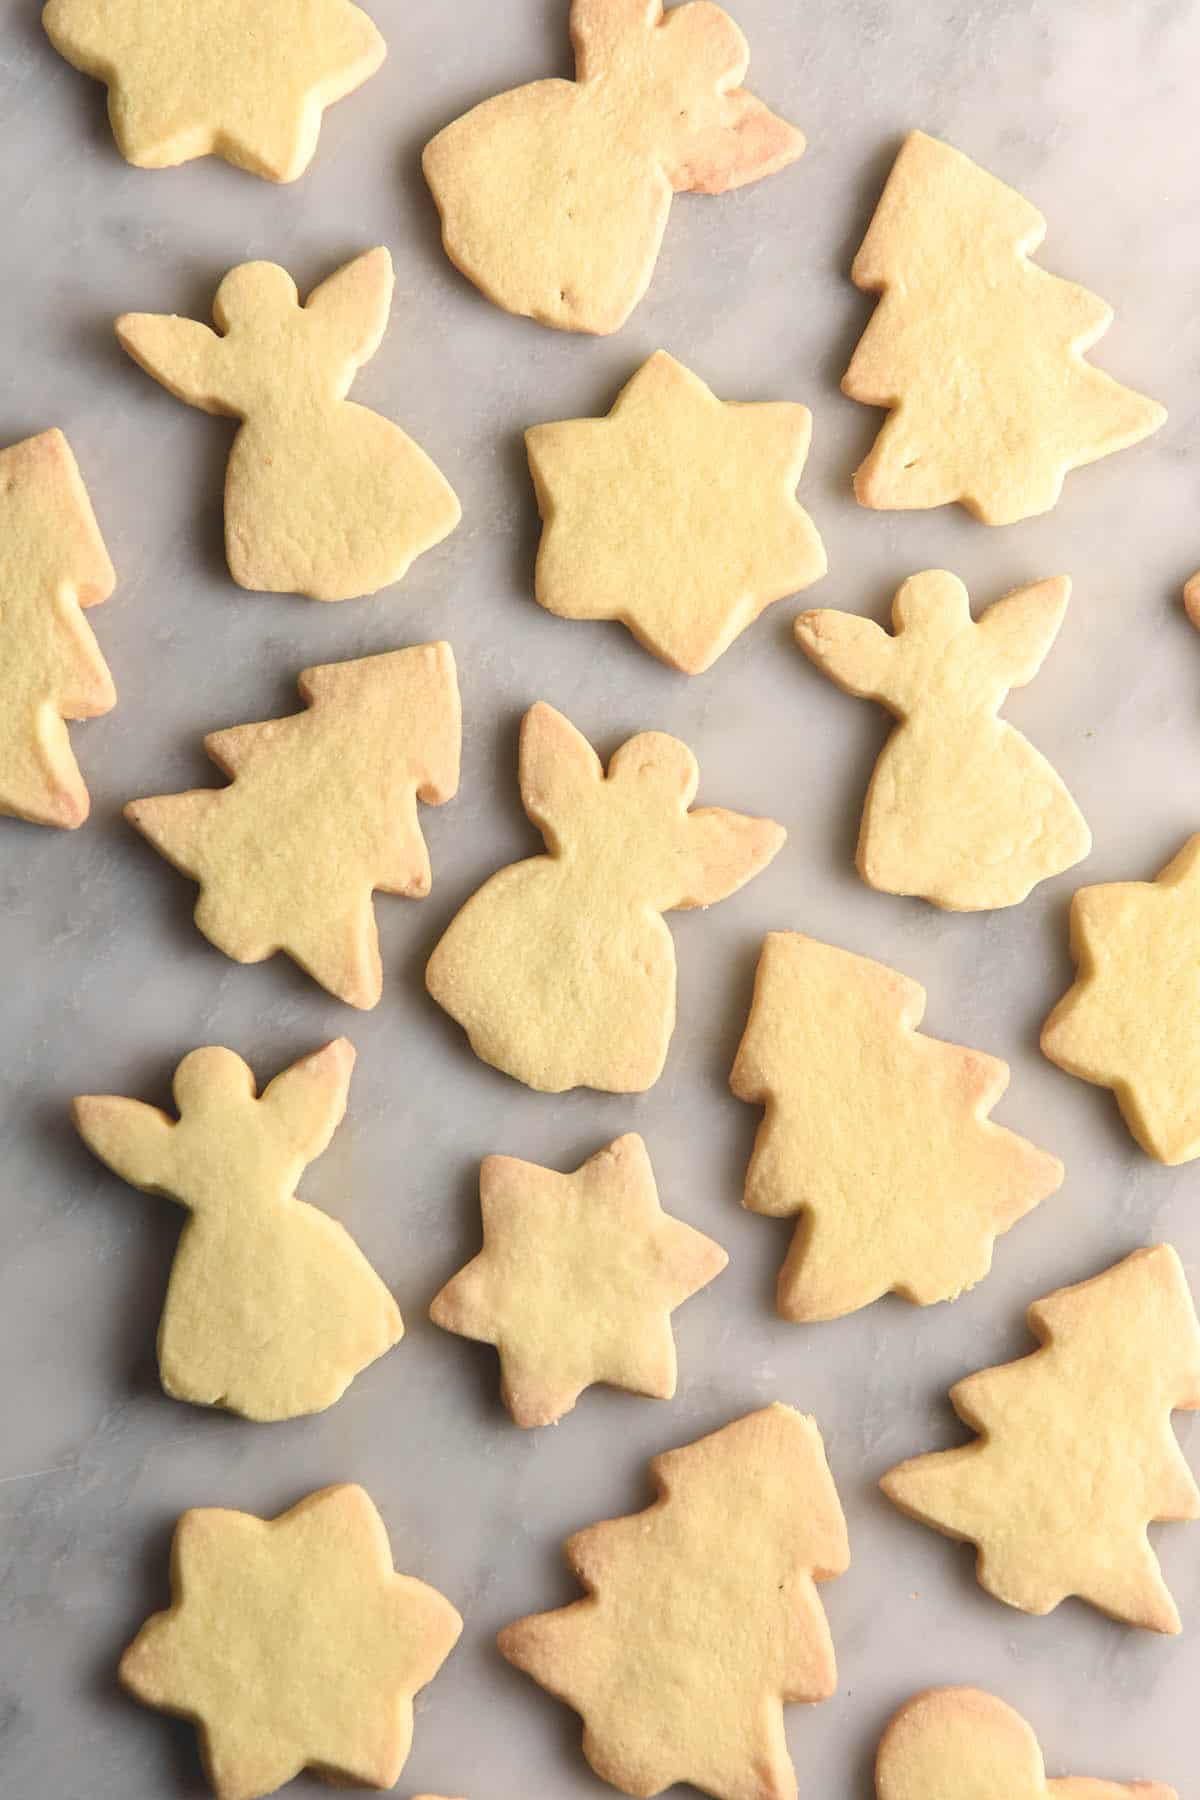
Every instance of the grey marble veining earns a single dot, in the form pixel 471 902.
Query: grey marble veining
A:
pixel 1087 106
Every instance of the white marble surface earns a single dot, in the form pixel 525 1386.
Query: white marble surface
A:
pixel 1088 106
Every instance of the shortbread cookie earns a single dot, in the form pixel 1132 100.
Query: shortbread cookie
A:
pixel 244 79
pixel 322 810
pixel 979 354
pixel 1191 600
pixel 1131 1022
pixel 577 1280
pixel 52 563
pixel 1075 1455
pixel 560 969
pixel 272 1309
pixel 322 497
pixel 292 1643
pixel 877 1136
pixel 961 809
pixel 554 197
pixel 676 514
pixel 702 1616
pixel 956 1743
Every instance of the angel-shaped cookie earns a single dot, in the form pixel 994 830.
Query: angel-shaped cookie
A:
pixel 554 197
pixel 961 809
pixel 272 1309
pixel 322 497
pixel 561 969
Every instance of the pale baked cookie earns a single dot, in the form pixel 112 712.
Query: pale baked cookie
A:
pixel 554 197
pixel 322 811
pixel 292 1643
pixel 877 1136
pixel 322 497
pixel 676 514
pixel 1191 600
pixel 702 1616
pixel 979 354
pixel 1075 1455
pixel 956 1743
pixel 52 563
pixel 560 969
pixel 1131 1022
pixel 272 1309
pixel 961 809
pixel 244 79
pixel 577 1280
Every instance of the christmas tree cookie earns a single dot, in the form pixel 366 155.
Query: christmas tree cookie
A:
pixel 956 1743
pixel 977 352
pixel 292 1644
pixel 247 80
pixel 321 810
pixel 272 1309
pixel 554 197
pixel 322 497
pixel 961 809
pixel 1075 1455
pixel 577 1280
pixel 676 514
pixel 877 1136
pixel 1131 1022
pixel 561 969
pixel 52 563
pixel 682 1656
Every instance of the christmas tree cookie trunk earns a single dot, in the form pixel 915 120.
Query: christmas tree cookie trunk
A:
pixel 554 197
pixel 962 809
pixel 333 792
pixel 561 969
pixel 682 1656
pixel 1076 1455
pixel 877 1136
pixel 322 497
pixel 272 1309
pixel 956 1743
pixel 979 354
pixel 52 563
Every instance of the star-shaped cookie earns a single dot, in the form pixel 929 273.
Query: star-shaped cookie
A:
pixel 577 1280
pixel 292 1643
pixel 1132 1020
pixel 247 80
pixel 676 514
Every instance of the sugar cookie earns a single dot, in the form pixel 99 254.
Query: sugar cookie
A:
pixel 333 793
pixel 979 354
pixel 577 1280
pixel 1075 1455
pixel 322 497
pixel 247 80
pixel 292 1643
pixel 272 1309
pixel 876 1135
pixel 1191 600
pixel 1131 1022
pixel 961 809
pixel 554 197
pixel 676 514
pixel 52 563
pixel 956 1743
pixel 560 969
pixel 682 1656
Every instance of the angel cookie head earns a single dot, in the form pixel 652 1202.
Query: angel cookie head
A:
pixel 554 197
pixel 561 969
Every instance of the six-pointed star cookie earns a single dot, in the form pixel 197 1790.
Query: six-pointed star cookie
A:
pixel 244 79
pixel 676 514
pixel 577 1280
pixel 292 1643
pixel 1132 1020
